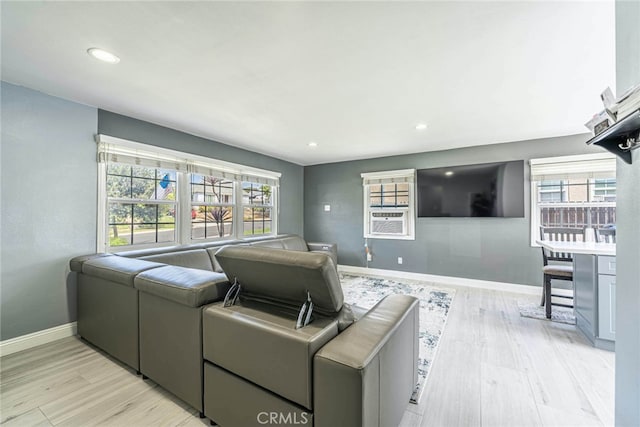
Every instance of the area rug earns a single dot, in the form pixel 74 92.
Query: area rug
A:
pixel 535 311
pixel 435 302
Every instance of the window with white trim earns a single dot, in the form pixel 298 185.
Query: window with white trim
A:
pixel 573 191
pixel 150 196
pixel 141 205
pixel 389 207
pixel 257 208
pixel 212 206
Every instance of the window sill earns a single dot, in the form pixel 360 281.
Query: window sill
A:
pixel 378 236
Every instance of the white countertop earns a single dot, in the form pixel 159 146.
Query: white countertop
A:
pixel 588 248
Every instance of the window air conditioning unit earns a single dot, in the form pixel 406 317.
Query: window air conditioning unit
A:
pixel 390 223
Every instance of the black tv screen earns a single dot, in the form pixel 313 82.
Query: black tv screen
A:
pixel 483 190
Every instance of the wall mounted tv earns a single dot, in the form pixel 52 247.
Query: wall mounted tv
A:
pixel 483 190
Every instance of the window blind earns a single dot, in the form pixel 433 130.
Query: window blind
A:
pixel 388 177
pixel 573 167
pixel 118 150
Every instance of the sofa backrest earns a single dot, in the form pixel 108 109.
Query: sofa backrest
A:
pixel 198 258
pixel 271 243
pixel 284 276
pixel 294 243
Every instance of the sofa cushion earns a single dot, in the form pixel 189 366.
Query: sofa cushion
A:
pixel 294 243
pixel 271 243
pixel 117 269
pixel 284 276
pixel 260 343
pixel 186 286
pixel 198 258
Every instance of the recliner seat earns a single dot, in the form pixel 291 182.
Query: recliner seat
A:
pixel 330 372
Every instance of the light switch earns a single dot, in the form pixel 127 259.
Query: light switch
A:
pixel 327 208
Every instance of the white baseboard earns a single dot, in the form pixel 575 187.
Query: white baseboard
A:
pixel 445 280
pixel 24 342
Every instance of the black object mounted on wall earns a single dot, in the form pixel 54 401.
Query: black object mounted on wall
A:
pixel 482 190
pixel 621 137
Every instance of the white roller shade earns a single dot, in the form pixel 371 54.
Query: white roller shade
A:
pixel 112 153
pixel 389 177
pixel 573 167
pixel 118 150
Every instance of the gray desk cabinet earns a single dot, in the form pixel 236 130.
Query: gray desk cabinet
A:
pixel 594 298
pixel 607 298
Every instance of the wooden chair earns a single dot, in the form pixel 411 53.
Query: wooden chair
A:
pixel 606 235
pixel 557 266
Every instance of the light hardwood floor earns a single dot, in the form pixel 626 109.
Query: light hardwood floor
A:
pixel 493 368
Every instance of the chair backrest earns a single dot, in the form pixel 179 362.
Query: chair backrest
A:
pixel 606 235
pixel 559 234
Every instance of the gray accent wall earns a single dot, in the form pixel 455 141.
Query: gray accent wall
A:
pixel 48 206
pixel 291 184
pixel 628 231
pixel 49 198
pixel 495 249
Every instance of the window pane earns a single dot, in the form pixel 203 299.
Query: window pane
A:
pixel 142 172
pixel 577 203
pixel 120 213
pixel 165 186
pixel 403 200
pixel 389 195
pixel 119 235
pixel 218 190
pixel 211 222
pixel 144 214
pixel 141 223
pixel 208 189
pixel 143 188
pixel 197 193
pixel 551 197
pixel 389 188
pixel 116 169
pixel 256 221
pixel 256 194
pixel 375 202
pixel 403 188
pixel 118 186
pixel 166 231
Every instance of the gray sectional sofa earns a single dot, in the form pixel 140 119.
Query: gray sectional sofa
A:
pixel 245 331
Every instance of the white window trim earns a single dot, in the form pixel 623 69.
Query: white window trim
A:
pixel 184 164
pixel 388 177
pixel 598 165
pixel 274 209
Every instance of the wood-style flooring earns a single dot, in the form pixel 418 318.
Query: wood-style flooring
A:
pixel 493 368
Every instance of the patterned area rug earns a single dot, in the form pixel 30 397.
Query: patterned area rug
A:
pixel 536 311
pixel 365 292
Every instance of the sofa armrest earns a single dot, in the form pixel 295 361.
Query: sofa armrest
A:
pixel 75 264
pixel 117 269
pixel 330 248
pixel 366 375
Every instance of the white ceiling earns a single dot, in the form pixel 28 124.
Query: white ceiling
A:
pixel 355 77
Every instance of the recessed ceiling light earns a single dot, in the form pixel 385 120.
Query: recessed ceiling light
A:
pixel 313 144
pixel 448 173
pixel 421 126
pixel 103 55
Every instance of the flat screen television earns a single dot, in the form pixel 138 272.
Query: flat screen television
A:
pixel 482 190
